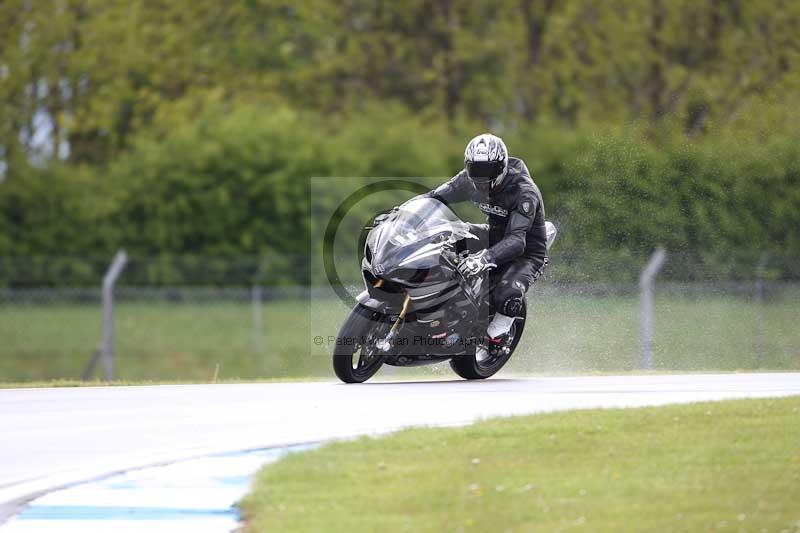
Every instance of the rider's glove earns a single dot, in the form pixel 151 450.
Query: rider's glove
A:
pixel 476 263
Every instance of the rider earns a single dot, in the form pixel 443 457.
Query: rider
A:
pixel 516 238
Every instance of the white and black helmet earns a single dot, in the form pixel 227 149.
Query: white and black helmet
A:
pixel 486 161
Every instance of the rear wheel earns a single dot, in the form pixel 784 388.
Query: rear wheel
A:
pixel 468 366
pixel 355 356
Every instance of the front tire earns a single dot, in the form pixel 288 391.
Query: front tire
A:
pixel 355 356
pixel 468 366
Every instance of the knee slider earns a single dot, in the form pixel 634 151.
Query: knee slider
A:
pixel 508 299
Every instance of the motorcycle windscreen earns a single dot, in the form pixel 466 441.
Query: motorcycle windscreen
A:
pixel 419 219
pixel 412 239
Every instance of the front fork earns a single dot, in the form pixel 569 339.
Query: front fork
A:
pixel 386 344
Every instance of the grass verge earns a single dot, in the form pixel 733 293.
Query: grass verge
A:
pixel 731 465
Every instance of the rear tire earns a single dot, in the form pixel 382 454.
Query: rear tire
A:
pixel 357 337
pixel 468 366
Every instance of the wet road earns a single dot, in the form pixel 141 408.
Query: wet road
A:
pixel 54 437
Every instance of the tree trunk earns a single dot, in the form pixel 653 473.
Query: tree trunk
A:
pixel 655 83
pixel 535 21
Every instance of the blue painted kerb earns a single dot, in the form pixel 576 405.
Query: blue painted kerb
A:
pixel 92 512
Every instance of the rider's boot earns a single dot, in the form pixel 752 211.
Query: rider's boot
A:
pixel 495 333
pixel 499 325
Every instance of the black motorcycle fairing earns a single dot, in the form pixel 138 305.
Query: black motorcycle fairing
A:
pixel 420 298
pixel 409 271
pixel 406 247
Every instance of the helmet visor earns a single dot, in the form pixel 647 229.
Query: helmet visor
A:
pixel 484 171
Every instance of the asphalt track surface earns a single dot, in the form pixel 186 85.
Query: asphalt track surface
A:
pixel 52 438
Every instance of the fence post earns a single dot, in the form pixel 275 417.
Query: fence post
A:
pixel 760 336
pixel 646 302
pixel 110 278
pixel 256 297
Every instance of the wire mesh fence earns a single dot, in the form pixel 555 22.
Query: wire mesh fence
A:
pixel 207 333
pixel 160 271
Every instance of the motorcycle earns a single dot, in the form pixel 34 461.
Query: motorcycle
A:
pixel 417 309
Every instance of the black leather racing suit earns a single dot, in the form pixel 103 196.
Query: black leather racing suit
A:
pixel 515 237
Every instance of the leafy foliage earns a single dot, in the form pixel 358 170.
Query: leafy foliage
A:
pixel 191 128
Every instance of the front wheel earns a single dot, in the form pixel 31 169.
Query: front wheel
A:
pixel 355 356
pixel 468 366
